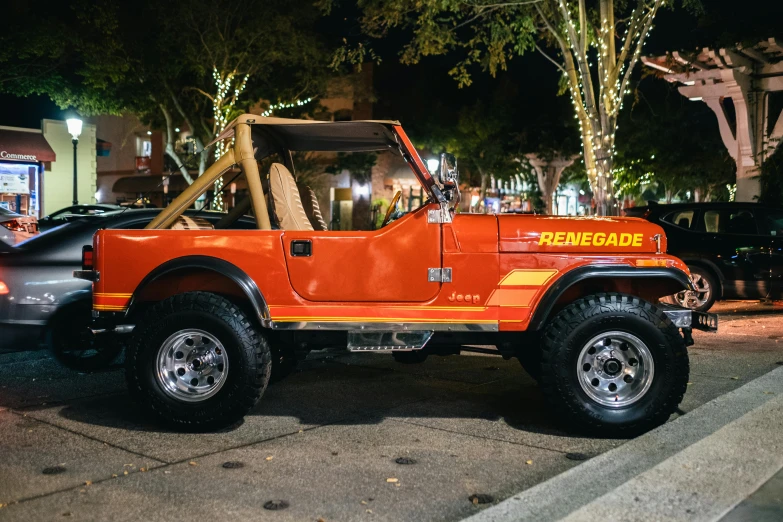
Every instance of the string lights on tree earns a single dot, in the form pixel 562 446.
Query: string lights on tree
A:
pixel 228 87
pixel 597 92
pixel 599 43
pixel 289 105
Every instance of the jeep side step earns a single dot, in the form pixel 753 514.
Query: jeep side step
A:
pixel 407 341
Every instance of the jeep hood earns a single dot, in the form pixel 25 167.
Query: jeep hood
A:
pixel 521 233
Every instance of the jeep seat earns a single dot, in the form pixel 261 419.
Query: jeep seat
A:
pixel 285 203
pixel 191 223
pixel 311 207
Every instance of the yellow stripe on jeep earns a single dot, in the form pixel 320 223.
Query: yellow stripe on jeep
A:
pixel 527 277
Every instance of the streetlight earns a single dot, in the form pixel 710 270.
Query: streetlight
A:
pixel 74 129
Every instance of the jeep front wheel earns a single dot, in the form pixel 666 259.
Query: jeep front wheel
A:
pixel 613 364
pixel 197 363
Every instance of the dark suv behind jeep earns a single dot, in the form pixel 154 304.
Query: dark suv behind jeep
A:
pixel 734 250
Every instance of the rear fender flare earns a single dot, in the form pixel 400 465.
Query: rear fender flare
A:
pixel 553 293
pixel 224 268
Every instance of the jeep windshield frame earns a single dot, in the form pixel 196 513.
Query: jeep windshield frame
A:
pixel 256 137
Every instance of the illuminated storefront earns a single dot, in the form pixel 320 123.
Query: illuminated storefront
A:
pixel 24 156
pixel 32 181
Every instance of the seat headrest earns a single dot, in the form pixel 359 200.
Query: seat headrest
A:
pixel 286 205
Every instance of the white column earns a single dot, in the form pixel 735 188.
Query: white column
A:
pixel 548 172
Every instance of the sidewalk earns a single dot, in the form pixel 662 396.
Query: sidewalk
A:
pixel 726 453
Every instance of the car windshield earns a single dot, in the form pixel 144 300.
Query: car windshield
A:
pixel 80 211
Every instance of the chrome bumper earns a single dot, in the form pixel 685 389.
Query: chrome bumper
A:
pixel 687 318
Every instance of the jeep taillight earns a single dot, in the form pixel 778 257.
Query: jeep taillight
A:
pixel 3 288
pixel 87 257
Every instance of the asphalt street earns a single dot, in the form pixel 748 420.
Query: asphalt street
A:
pixel 347 437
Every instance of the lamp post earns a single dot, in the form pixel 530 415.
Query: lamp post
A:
pixel 74 129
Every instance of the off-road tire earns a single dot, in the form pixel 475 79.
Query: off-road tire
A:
pixel 74 346
pixel 412 357
pixel 567 334
pixel 247 351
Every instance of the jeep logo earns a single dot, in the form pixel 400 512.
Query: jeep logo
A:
pixel 466 298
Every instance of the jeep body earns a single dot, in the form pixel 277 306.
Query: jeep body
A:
pixel 428 282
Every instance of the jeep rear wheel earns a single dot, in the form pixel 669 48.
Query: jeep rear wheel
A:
pixel 614 364
pixel 197 363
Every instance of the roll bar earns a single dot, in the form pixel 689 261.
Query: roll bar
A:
pixel 240 154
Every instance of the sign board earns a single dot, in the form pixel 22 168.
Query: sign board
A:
pixel 4 154
pixel 14 184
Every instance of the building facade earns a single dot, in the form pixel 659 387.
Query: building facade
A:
pixel 36 168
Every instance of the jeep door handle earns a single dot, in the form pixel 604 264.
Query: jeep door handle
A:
pixel 301 248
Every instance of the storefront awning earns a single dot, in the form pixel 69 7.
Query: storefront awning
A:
pixel 25 146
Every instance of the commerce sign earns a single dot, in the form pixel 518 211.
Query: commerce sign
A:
pixel 10 156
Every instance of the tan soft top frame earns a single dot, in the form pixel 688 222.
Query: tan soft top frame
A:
pixel 354 136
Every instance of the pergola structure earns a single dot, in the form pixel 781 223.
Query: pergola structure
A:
pixel 744 88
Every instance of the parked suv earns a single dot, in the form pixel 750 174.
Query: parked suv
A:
pixel 575 300
pixel 733 250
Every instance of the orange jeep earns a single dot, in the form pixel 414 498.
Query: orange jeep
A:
pixel 214 312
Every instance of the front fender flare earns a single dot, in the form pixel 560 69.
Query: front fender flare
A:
pixel 553 293
pixel 214 264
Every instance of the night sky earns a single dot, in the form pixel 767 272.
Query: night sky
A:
pixel 410 93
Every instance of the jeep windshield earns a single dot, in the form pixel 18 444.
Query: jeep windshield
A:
pixel 256 138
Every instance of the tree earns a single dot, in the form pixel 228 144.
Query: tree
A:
pixel 54 62
pixel 484 142
pixel 172 64
pixel 599 43
pixel 665 139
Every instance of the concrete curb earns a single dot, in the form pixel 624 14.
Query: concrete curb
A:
pixel 579 486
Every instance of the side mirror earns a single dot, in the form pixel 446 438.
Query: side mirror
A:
pixel 448 175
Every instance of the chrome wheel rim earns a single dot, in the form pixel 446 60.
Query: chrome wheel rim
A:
pixel 192 365
pixel 615 369
pixel 697 298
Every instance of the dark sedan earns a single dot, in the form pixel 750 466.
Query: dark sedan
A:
pixel 734 250
pixel 72 213
pixel 16 227
pixel 43 305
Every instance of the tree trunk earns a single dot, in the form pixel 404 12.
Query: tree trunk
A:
pixel 603 191
pixel 483 189
pixel 172 153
